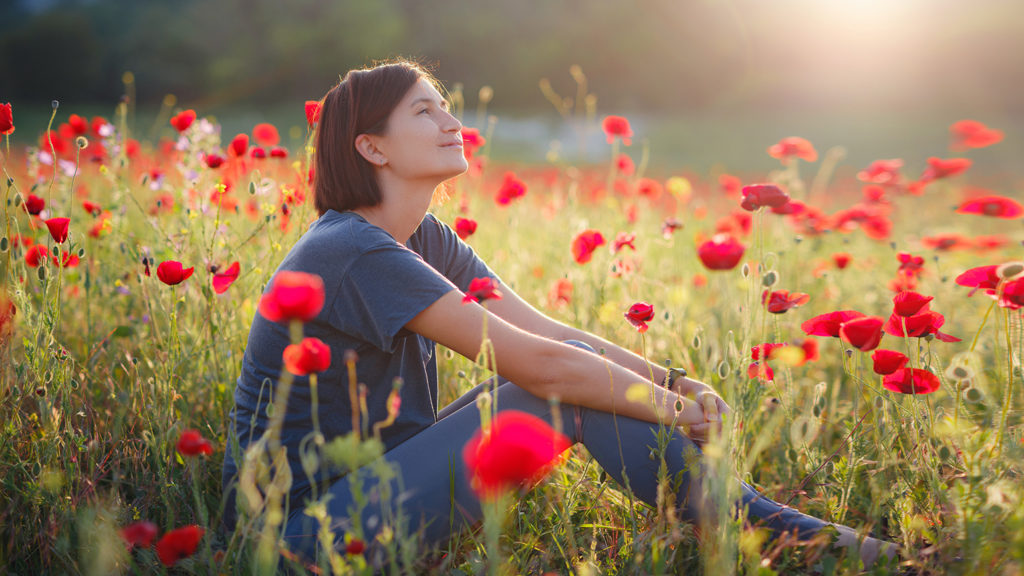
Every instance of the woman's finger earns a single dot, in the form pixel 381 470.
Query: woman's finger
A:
pixel 711 408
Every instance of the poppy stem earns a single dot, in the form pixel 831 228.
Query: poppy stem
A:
pixel 1009 382
pixel 983 321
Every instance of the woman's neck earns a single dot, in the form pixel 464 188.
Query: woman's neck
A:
pixel 402 208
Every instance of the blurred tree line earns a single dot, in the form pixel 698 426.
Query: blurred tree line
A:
pixel 652 54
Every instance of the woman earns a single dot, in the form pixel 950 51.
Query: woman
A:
pixel 394 279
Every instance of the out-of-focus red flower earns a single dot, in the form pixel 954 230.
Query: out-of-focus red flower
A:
pixel 293 296
pixel 793 146
pixel 179 544
pixel 669 227
pixel 79 126
pixel 639 314
pixel 737 223
pixel 729 184
pixel 239 145
pixel 986 243
pixel 883 172
pixel 58 228
pixel 874 195
pixel 911 381
pixel 34 204
pixel 278 152
pixel 172 273
pixel 310 356
pixel 841 260
pixel 312 112
pixel 7 312
pixel 886 362
pixel 560 293
pixel 995 206
pixel 192 443
pixel 624 165
pixel 721 252
pixel 214 160
pixel 973 134
pixel 624 240
pixel 904 280
pixel 355 547
pixel 791 208
pixel 464 227
pixel 584 245
pixel 92 207
pixel 649 188
pixel 472 141
pixel 482 290
pixel 910 264
pixel 6 119
pixel 511 188
pixel 183 120
pixel 779 301
pixel 518 448
pixel 810 348
pixel 946 242
pixel 944 168
pixel 909 303
pixel 764 351
pixel 67 260
pixel 760 371
pixel 223 280
pixel 758 195
pixel 828 324
pixel 36 255
pixel 617 126
pixel 257 153
pixel 864 333
pixel 266 134
pixel 139 534
pixel 918 326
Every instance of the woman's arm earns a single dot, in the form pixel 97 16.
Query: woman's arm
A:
pixel 521 314
pixel 548 368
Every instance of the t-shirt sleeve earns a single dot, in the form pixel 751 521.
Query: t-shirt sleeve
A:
pixel 444 250
pixel 385 288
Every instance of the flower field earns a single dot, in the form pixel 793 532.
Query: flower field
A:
pixel 863 322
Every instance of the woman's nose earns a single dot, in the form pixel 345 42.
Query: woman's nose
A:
pixel 453 124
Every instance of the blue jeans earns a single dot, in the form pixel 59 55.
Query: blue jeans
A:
pixel 438 499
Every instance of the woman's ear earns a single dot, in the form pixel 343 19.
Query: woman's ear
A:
pixel 367 148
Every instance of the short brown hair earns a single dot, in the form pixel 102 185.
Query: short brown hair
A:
pixel 359 104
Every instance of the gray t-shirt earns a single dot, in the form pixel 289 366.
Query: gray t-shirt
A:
pixel 374 286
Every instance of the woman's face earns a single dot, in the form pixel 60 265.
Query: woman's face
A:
pixel 423 141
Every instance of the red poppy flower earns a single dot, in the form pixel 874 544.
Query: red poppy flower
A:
pixel 764 351
pixel 810 348
pixel 183 120
pixel 511 188
pixel 623 240
pixel 779 301
pixel 881 172
pixel 757 195
pixel 266 134
pixel 911 381
pixel 909 303
pixel 239 145
pixel 293 296
pixel 886 362
pixel 828 324
pixel 841 260
pixel 1012 295
pixel 722 252
pixel 178 544
pixel 649 188
pixel 584 245
pixel 617 126
pixel 760 371
pixel 92 207
pixel 517 448
pixel 34 204
pixel 918 326
pixel 464 227
pixel 940 168
pixel 729 184
pixel 669 227
pixel 278 152
pixel 79 125
pixel 223 280
pixel 560 293
pixel 624 165
pixel 139 534
pixel 791 208
pixel 171 272
pixel 910 264
pixel 67 260
pixel 6 119
pixel 192 443
pixel 986 243
pixel 36 255
pixel 58 229
pixel 639 315
pixel 472 141
pixel 7 312
pixel 793 146
pixel 355 547
pixel 257 153
pixel 214 160
pixel 312 355
pixel 312 112
pixel 946 242
pixel 973 134
pixel 864 333
pixel 980 278
pixel 995 206
pixel 482 290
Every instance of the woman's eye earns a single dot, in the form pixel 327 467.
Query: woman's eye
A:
pixel 424 110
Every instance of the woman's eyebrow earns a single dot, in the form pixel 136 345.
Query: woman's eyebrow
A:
pixel 444 103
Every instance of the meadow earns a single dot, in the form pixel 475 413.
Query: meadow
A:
pixel 117 366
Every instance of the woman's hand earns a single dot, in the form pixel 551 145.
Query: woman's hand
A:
pixel 710 402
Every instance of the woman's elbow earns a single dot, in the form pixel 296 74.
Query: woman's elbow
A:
pixel 548 368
